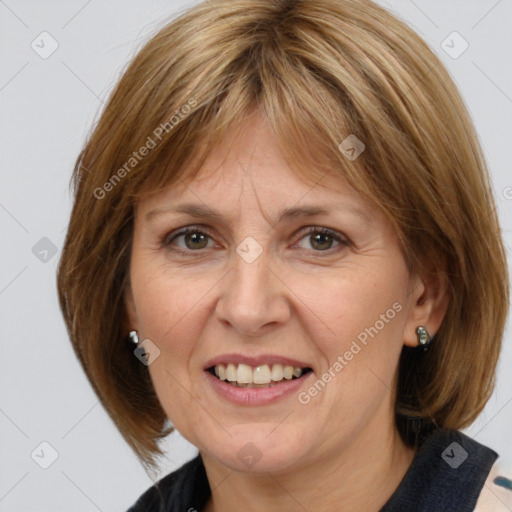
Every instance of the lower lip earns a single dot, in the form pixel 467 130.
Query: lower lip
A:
pixel 256 396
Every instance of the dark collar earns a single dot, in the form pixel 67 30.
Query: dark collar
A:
pixel 446 475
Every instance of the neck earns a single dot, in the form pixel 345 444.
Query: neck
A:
pixel 362 475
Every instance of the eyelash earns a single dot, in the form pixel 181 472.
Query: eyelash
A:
pixel 170 237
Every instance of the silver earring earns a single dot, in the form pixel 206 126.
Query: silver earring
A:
pixel 134 337
pixel 424 337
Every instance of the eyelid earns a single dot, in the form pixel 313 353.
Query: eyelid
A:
pixel 183 231
pixel 336 235
pixel 304 231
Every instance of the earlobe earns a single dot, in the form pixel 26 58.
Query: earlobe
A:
pixel 429 306
pixel 424 337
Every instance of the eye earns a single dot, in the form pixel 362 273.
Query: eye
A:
pixel 193 238
pixel 322 238
pixel 196 238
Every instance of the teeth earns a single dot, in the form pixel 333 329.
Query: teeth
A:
pixel 231 372
pixel 288 372
pixel 243 374
pixel 277 372
pixel 261 374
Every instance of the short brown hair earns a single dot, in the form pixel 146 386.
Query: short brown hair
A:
pixel 319 71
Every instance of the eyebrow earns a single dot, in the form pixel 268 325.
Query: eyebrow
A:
pixel 288 214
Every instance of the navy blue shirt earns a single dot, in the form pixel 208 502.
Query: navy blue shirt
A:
pixel 446 475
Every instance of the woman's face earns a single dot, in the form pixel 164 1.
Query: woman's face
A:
pixel 253 282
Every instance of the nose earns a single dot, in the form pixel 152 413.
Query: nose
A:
pixel 253 297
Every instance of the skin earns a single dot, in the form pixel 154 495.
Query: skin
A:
pixel 305 296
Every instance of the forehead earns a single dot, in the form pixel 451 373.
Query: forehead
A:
pixel 248 163
pixel 231 191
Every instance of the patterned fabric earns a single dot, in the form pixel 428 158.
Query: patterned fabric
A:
pixel 450 473
pixel 496 494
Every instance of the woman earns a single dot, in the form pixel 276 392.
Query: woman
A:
pixel 288 212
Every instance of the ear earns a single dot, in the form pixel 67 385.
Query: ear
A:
pixel 429 303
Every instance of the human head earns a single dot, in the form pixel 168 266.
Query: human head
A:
pixel 319 72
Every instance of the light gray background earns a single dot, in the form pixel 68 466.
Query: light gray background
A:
pixel 47 107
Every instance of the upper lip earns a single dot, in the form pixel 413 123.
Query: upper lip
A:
pixel 255 360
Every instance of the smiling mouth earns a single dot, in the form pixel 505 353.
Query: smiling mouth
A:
pixel 278 375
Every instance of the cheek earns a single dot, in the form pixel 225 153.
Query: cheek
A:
pixel 358 307
pixel 173 309
pixel 358 332
pixel 358 328
pixel 171 312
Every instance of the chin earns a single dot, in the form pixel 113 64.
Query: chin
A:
pixel 259 454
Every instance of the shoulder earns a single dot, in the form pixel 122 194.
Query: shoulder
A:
pixel 496 495
pixel 184 485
